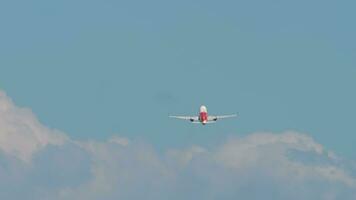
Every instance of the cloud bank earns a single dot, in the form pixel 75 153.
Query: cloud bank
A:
pixel 40 163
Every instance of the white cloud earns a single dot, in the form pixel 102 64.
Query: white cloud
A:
pixel 271 152
pixel 21 134
pixel 46 164
pixel 119 140
pixel 181 158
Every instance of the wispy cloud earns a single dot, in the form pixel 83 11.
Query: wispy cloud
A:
pixel 39 163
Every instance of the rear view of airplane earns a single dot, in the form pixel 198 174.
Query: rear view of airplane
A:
pixel 203 117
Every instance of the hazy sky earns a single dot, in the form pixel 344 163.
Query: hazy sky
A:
pixel 98 69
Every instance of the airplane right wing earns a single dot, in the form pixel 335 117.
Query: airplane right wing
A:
pixel 214 118
pixel 190 118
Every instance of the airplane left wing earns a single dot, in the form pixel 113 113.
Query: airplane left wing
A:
pixel 190 118
pixel 215 118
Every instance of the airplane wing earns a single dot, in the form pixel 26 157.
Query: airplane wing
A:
pixel 190 118
pixel 215 118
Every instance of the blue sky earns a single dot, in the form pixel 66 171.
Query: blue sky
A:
pixel 98 69
pixel 93 69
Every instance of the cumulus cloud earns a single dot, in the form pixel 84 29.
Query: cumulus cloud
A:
pixel 21 133
pixel 40 163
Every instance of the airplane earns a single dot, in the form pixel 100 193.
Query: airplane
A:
pixel 203 117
